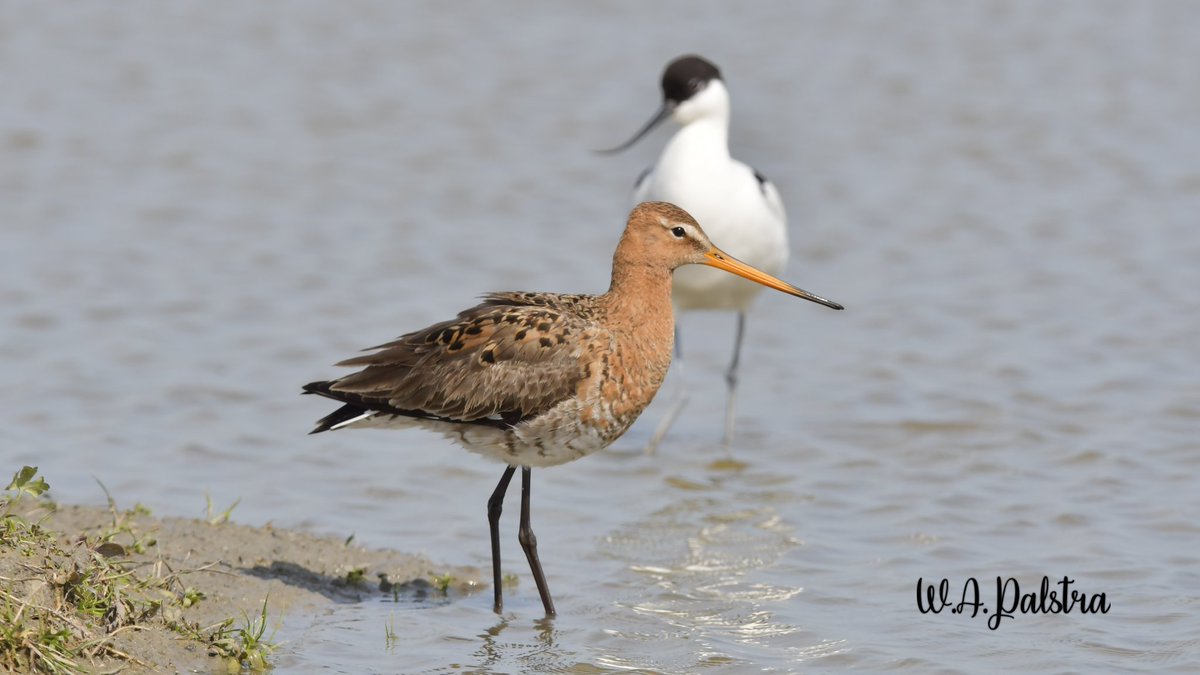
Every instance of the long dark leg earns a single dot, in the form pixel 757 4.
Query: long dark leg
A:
pixel 495 506
pixel 680 400
pixel 731 377
pixel 529 543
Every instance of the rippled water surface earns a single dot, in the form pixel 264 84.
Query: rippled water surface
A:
pixel 204 206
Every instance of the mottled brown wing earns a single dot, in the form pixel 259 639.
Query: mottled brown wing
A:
pixel 508 358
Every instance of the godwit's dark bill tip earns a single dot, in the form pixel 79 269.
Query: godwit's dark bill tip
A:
pixel 822 301
pixel 812 297
pixel 723 261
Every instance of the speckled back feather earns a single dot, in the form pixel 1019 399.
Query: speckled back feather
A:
pixel 511 357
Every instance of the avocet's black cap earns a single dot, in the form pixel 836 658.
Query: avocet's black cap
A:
pixel 687 75
pixel 684 78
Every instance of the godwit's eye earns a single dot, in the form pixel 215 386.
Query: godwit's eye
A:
pixel 678 232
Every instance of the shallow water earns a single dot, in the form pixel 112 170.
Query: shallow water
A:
pixel 203 207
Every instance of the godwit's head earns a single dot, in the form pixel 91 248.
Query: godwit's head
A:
pixel 662 235
pixel 692 90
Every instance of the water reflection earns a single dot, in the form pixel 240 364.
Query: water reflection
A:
pixel 539 652
pixel 490 652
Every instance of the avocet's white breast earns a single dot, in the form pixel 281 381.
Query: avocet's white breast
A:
pixel 741 213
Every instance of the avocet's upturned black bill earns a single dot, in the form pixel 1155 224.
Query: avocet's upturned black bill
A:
pixel 684 77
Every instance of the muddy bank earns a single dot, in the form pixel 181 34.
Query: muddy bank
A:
pixel 142 594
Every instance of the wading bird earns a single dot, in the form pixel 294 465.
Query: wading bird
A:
pixel 739 207
pixel 540 379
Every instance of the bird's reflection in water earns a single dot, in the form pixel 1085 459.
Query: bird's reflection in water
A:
pixel 543 646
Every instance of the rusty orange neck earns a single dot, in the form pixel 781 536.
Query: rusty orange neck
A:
pixel 638 303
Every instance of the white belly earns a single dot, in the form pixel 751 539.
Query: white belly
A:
pixel 541 446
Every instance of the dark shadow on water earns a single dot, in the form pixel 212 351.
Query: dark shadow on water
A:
pixel 352 587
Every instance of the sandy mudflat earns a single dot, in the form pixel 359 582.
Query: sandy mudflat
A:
pixel 235 567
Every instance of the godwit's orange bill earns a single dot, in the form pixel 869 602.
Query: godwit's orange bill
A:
pixel 723 261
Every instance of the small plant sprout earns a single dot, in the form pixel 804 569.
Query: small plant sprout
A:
pixel 442 583
pixel 356 576
pixel 219 518
pixel 23 483
pixel 122 524
pixel 244 646
pixel 191 597
pixel 389 631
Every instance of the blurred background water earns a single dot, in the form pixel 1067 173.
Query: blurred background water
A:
pixel 202 206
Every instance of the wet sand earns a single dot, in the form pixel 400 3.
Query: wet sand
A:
pixel 237 568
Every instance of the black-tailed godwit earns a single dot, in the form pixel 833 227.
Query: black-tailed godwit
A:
pixel 540 379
